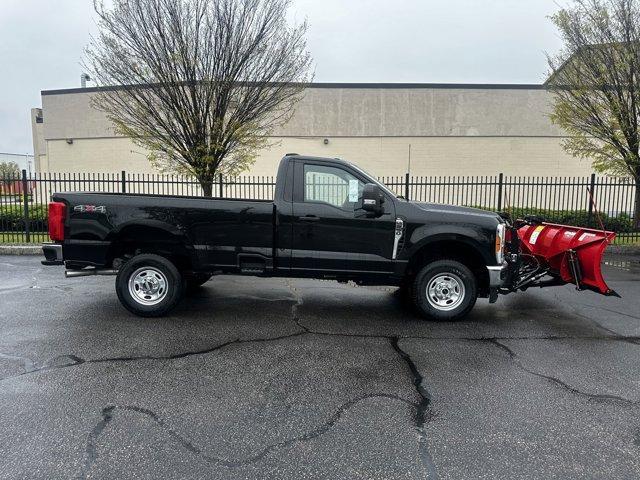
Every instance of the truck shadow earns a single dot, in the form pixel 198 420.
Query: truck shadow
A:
pixel 332 308
pixel 271 307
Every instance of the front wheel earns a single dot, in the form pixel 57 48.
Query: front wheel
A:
pixel 445 290
pixel 149 285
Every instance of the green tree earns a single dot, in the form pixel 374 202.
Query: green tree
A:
pixel 9 172
pixel 595 81
pixel 200 84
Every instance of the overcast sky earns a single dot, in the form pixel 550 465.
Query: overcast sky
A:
pixel 447 41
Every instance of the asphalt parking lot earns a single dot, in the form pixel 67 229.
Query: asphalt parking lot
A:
pixel 272 378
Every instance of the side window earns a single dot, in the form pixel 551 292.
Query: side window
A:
pixel 331 185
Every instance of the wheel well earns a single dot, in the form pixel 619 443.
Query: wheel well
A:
pixel 137 239
pixel 454 250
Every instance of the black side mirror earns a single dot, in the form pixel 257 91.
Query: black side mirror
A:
pixel 372 199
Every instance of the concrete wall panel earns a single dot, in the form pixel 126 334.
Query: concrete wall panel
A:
pixel 355 112
pixel 381 156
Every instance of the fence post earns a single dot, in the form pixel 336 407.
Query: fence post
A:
pixel 123 188
pixel 221 185
pixel 25 206
pixel 500 185
pixel 406 185
pixel 591 197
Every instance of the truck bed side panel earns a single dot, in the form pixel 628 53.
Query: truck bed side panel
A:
pixel 214 231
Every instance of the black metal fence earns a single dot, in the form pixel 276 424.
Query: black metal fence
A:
pixel 24 198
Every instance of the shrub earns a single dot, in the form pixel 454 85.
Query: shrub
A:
pixel 579 218
pixel 12 218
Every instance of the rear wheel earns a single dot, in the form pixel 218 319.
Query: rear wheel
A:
pixel 149 285
pixel 444 290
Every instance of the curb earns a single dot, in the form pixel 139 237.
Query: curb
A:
pixel 20 249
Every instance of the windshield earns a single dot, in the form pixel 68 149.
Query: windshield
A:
pixel 373 180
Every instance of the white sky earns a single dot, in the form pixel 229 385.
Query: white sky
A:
pixel 422 41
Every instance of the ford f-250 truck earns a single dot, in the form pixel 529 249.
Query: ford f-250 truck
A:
pixel 328 220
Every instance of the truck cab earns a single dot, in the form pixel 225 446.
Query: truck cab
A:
pixel 337 221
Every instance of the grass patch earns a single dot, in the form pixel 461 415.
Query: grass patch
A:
pixel 20 238
pixel 627 239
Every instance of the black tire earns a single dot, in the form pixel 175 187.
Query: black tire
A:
pixel 165 285
pixel 444 290
pixel 194 281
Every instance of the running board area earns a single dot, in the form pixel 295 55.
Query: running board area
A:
pixel 253 264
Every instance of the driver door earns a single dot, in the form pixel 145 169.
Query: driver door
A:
pixel 331 232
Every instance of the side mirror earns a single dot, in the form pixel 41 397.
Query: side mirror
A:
pixel 372 199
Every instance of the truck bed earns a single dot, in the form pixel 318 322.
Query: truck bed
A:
pixel 213 231
pixel 160 195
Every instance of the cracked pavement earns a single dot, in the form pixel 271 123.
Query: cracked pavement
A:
pixel 277 378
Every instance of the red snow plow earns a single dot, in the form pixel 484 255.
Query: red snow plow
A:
pixel 546 254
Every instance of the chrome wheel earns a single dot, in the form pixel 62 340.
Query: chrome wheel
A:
pixel 148 286
pixel 445 291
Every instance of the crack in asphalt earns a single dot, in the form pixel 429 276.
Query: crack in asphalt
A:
pixel 31 367
pixel 575 306
pixel 423 413
pixel 28 364
pixel 422 409
pixel 298 303
pixel 561 383
pixel 613 338
pixel 610 310
pixel 611 335
pixel 634 339
pixel 575 310
pixel 91 451
pixel 81 361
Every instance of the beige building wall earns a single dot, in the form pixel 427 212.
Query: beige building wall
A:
pixel 37 137
pixel 99 155
pixel 379 156
pixel 452 130
pixel 532 156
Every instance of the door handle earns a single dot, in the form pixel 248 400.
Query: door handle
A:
pixel 309 218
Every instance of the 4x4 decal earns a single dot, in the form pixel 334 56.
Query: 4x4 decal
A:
pixel 90 209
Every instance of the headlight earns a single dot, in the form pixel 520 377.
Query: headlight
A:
pixel 500 229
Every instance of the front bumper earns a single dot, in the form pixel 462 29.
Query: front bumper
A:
pixel 52 254
pixel 497 275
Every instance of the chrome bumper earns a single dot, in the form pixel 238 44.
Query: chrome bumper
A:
pixel 497 275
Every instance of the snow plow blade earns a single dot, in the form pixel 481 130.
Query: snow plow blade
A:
pixel 571 254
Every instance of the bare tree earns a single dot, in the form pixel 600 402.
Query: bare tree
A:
pixel 596 84
pixel 200 84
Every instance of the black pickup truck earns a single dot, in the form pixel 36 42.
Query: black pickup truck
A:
pixel 328 220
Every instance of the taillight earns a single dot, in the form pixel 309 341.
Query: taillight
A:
pixel 56 221
pixel 500 234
